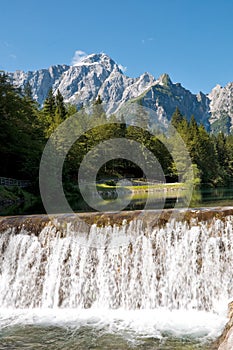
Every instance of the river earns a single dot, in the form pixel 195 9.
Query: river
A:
pixel 149 281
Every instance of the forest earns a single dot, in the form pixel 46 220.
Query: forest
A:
pixel 25 128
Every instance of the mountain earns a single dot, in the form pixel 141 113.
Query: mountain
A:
pixel 164 96
pixel 221 107
pixel 98 74
pixel 40 80
pixel 95 75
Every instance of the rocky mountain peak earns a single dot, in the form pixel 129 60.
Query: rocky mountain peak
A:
pixel 98 74
pixel 164 80
pixel 98 59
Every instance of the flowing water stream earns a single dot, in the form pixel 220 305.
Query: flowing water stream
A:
pixel 74 282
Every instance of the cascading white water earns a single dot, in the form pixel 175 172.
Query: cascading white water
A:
pixel 179 266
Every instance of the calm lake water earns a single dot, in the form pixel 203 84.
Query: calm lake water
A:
pixel 206 197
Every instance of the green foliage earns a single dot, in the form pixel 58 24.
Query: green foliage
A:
pixel 25 128
pixel 60 106
pixel 54 112
pixel 210 155
pixel 98 111
pixel 177 119
pixel 49 104
pixel 21 136
pixel 70 109
pixel 27 92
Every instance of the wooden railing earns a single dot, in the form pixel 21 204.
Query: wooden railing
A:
pixel 5 181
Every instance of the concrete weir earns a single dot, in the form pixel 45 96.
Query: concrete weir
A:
pixel 149 217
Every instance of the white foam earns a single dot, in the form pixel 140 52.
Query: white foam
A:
pixel 144 323
pixel 61 278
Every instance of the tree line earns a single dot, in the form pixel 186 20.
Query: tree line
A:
pixel 25 128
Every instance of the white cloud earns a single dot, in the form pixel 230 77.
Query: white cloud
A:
pixel 143 41
pixel 122 68
pixel 13 56
pixel 79 55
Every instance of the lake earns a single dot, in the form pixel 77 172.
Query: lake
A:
pixel 204 197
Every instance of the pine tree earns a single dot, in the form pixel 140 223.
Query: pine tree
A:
pixel 53 112
pixel 20 133
pixel 49 105
pixel 193 139
pixel 27 91
pixel 206 157
pixel 177 118
pixel 223 157
pixel 98 111
pixel 180 165
pixel 229 150
pixel 60 106
pixel 71 109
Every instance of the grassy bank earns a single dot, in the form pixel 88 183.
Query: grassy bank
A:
pixel 143 188
pixel 12 195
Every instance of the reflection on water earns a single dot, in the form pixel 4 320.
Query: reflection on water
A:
pixel 204 197
pixel 214 196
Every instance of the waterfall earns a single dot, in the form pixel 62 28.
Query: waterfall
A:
pixel 132 264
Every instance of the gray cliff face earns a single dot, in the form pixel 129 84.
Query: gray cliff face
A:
pixel 221 103
pixel 41 80
pixel 164 96
pixel 95 75
pixel 98 74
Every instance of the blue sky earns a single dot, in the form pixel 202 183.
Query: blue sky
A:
pixel 191 40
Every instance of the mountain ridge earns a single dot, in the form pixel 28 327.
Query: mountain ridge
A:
pixel 99 74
